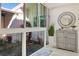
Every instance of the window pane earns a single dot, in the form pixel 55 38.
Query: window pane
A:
pixel 42 15
pixel 10 44
pixel 31 14
pixel 35 41
pixel 11 15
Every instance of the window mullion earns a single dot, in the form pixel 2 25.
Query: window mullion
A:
pixel 24 33
pixel 38 14
pixel 45 38
pixel 24 44
pixel 0 15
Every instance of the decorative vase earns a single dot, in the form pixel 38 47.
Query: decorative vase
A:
pixel 73 27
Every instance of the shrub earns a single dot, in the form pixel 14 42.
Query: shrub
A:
pixel 1 42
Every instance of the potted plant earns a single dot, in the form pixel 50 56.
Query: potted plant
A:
pixel 51 35
pixel 51 30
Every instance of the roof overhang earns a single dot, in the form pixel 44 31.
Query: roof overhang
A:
pixel 10 11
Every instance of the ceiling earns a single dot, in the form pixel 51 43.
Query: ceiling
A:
pixel 53 5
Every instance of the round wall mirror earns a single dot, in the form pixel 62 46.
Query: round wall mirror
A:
pixel 66 19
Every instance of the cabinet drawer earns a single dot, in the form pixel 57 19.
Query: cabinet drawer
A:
pixel 60 40
pixel 68 35
pixel 70 47
pixel 70 31
pixel 71 36
pixel 59 35
pixel 70 41
pixel 73 41
pixel 61 45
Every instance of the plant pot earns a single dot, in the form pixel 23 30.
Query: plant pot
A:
pixel 52 41
pixel 51 38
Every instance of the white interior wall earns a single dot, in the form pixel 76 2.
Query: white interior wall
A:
pixel 55 12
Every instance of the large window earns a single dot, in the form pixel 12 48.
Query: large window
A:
pixel 21 31
pixel 35 15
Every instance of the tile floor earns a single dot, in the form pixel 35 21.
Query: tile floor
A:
pixel 60 52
